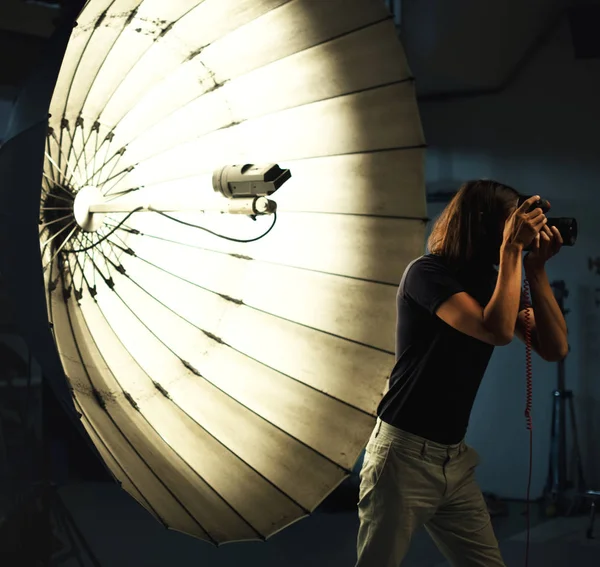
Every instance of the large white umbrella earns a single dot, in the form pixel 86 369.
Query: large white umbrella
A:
pixel 230 386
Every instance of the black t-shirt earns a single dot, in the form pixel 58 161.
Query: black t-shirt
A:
pixel 438 369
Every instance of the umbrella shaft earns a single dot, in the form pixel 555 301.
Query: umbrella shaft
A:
pixel 252 206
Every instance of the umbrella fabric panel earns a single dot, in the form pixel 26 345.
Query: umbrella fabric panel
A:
pixel 177 346
pixel 231 386
pixel 146 481
pixel 152 44
pixel 193 465
pixel 300 351
pixel 297 80
pixel 385 183
pixel 380 119
pixel 322 301
pixel 265 447
pixel 313 242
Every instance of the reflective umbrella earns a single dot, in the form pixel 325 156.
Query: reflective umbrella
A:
pixel 228 368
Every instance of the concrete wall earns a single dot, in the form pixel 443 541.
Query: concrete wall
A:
pixel 6 98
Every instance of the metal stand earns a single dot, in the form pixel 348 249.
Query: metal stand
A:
pixel 593 495
pixel 563 495
pixel 42 533
pixel 558 484
pixel 36 527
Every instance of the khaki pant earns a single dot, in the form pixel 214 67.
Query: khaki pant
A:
pixel 407 482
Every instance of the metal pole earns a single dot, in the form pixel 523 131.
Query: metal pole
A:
pixel 257 205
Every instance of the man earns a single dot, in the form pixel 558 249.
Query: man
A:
pixel 454 306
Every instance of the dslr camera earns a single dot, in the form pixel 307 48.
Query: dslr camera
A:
pixel 567 226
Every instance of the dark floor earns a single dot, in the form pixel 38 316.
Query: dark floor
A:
pixel 122 534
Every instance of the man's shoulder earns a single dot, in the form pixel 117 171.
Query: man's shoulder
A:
pixel 427 262
pixel 420 269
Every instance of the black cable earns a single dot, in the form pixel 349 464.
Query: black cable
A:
pixel 221 235
pixel 106 235
pixel 528 406
pixel 85 249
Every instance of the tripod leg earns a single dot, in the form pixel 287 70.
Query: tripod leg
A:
pixel 590 531
pixel 552 488
pixel 580 483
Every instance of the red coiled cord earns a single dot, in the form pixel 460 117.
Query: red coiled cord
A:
pixel 528 363
pixel 528 403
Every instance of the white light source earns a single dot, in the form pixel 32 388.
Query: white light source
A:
pixel 230 381
pixel 245 186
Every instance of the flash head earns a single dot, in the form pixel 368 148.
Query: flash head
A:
pixel 249 180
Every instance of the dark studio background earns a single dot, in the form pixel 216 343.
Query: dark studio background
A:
pixel 509 89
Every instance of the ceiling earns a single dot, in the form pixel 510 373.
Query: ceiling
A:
pixel 452 45
pixel 24 29
pixel 471 45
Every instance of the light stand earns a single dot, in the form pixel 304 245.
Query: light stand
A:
pixel 558 484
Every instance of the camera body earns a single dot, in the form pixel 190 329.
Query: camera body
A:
pixel 567 226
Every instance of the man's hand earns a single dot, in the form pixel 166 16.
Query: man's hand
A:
pixel 545 245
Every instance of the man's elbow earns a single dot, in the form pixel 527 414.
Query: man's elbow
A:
pixel 556 355
pixel 503 339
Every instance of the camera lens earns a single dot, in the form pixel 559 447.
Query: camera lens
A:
pixel 567 227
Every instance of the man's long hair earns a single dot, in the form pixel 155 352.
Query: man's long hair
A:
pixel 469 230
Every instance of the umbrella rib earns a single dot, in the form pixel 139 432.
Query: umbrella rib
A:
pixel 84 142
pixel 100 248
pixel 164 31
pixel 55 196
pixel 112 196
pixel 96 127
pixel 355 30
pixel 241 302
pixel 118 154
pixel 200 375
pixel 195 175
pixel 107 140
pixel 121 468
pixel 126 22
pixel 165 394
pixel 48 153
pixel 360 215
pixel 194 471
pixel 339 154
pixel 90 254
pixel 79 60
pixel 112 251
pixel 116 176
pixel 71 150
pixel 234 123
pixel 82 270
pixel 149 311
pixel 65 178
pixel 105 409
pixel 58 251
pixel 195 371
pixel 48 240
pixel 51 319
pixel 125 228
pixel 220 85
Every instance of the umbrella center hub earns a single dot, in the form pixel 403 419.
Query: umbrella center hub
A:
pixel 85 198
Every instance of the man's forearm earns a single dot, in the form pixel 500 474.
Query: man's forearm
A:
pixel 500 314
pixel 549 321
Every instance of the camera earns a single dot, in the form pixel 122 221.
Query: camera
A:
pixel 249 180
pixel 567 226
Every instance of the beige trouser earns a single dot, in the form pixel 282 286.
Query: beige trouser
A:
pixel 406 482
